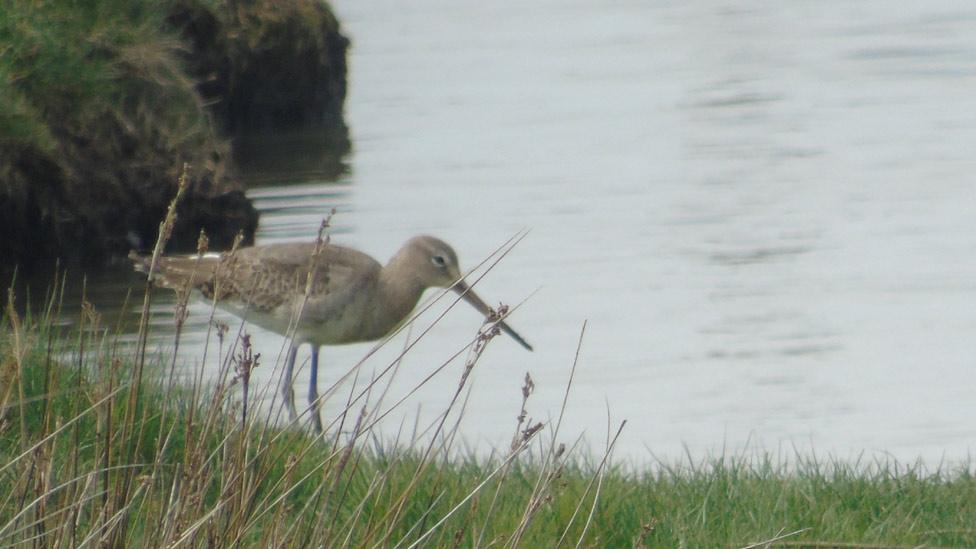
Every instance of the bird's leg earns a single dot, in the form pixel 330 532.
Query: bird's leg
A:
pixel 313 390
pixel 287 391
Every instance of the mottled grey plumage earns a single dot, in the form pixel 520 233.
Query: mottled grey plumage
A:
pixel 352 297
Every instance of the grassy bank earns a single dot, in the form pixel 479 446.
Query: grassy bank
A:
pixel 103 103
pixel 97 118
pixel 100 445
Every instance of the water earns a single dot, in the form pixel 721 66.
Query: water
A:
pixel 766 213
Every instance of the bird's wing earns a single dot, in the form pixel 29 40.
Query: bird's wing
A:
pixel 267 277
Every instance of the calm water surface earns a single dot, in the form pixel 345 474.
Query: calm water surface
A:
pixel 766 213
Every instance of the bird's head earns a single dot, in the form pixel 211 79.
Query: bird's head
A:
pixel 435 265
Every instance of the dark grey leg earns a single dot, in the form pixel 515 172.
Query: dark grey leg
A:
pixel 313 390
pixel 287 391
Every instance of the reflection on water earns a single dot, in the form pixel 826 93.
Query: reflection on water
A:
pixel 766 213
pixel 300 156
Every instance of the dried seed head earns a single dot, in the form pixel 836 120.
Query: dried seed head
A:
pixel 528 387
pixel 529 432
pixel 222 329
pixel 203 243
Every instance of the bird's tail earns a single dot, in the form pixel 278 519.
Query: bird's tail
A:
pixel 177 272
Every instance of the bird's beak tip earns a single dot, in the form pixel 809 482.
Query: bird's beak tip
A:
pixel 525 344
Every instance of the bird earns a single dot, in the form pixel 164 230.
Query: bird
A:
pixel 338 294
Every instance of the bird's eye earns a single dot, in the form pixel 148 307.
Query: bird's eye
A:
pixel 438 260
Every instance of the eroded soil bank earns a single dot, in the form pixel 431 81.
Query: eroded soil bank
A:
pixel 102 104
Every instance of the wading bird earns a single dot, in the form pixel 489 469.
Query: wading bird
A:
pixel 349 297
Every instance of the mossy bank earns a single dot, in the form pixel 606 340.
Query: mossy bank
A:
pixel 102 104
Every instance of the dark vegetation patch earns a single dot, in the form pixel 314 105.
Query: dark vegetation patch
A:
pixel 265 64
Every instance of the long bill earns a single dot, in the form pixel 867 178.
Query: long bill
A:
pixel 466 293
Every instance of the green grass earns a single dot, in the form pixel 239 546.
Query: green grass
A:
pixel 84 459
